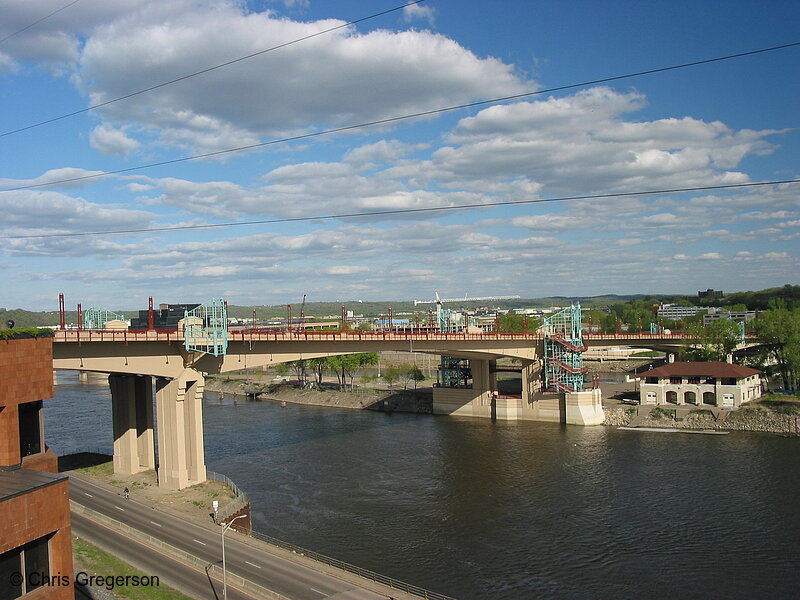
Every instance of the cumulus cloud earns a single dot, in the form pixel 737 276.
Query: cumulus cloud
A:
pixel 365 76
pixel 109 140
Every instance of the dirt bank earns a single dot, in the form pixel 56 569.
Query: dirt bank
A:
pixel 416 401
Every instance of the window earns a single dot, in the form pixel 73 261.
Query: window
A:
pixel 32 559
pixel 30 428
pixel 10 563
pixel 694 380
pixel 675 379
pixel 651 379
pixel 711 380
pixel 728 381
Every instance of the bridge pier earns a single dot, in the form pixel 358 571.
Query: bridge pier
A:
pixel 179 407
pixel 132 416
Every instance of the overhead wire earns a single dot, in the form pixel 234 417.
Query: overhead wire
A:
pixel 402 211
pixel 207 70
pixel 395 119
pixel 9 36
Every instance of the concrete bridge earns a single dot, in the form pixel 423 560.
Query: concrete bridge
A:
pixel 140 363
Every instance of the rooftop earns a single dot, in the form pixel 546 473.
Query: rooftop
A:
pixel 701 369
pixel 15 482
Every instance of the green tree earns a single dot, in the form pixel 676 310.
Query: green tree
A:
pixel 390 375
pixel 514 323
pixel 318 366
pixel 715 341
pixel 299 367
pixel 779 329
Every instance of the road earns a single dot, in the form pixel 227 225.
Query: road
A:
pixel 173 573
pixel 260 566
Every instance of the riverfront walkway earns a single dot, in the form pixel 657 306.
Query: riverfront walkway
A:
pixel 187 554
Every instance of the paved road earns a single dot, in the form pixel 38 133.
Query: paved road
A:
pixel 262 567
pixel 186 579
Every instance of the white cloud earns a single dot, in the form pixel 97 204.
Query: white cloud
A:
pixel 421 12
pixel 109 140
pixel 365 76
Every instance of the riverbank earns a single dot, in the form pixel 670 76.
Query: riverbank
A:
pixel 412 400
pixel 768 415
pixel 194 502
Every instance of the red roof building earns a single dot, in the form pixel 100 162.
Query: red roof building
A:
pixel 700 383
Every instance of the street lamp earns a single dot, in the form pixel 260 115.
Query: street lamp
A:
pixel 225 527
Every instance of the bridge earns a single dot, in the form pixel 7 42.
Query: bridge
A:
pixel 173 363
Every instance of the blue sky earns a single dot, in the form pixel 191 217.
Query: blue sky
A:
pixel 723 123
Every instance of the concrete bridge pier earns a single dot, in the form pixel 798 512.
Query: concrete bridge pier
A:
pixel 179 409
pixel 132 416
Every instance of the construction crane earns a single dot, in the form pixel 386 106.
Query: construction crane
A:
pixel 439 301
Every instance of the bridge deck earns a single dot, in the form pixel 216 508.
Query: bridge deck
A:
pixel 100 335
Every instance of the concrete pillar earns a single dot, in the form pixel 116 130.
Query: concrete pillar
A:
pixel 492 375
pixel 481 383
pixel 179 407
pixel 83 376
pixel 132 416
pixel 145 436
pixel 531 380
pixel 584 408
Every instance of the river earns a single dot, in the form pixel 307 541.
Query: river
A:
pixel 479 509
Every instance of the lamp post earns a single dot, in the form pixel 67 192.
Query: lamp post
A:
pixel 225 527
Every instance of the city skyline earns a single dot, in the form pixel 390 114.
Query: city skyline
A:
pixel 723 123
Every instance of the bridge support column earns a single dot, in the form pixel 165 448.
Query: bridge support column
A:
pixel 531 380
pixel 584 408
pixel 132 415
pixel 179 406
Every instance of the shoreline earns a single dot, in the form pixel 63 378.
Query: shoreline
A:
pixel 753 417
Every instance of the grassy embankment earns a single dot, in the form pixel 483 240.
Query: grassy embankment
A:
pixel 93 560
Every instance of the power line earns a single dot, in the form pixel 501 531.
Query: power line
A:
pixel 38 21
pixel 396 119
pixel 404 211
pixel 206 70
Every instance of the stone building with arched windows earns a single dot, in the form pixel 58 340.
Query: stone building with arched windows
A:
pixel 718 384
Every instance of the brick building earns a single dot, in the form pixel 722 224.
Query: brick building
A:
pixel 35 536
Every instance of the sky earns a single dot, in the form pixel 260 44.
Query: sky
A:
pixel 722 123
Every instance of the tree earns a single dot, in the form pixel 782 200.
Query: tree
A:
pixel 416 375
pixel 318 365
pixel 390 375
pixel 345 365
pixel 514 323
pixel 779 329
pixel 299 368
pixel 715 341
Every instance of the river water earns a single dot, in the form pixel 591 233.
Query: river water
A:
pixel 479 509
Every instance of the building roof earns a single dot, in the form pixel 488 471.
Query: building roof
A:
pixel 701 369
pixel 15 482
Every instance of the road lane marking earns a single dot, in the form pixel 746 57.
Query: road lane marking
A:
pixel 172 558
pixel 118 508
pixel 198 541
pixel 157 524
pixel 313 590
pixel 90 496
pixel 247 562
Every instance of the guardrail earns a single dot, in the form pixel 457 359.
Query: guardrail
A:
pixel 100 335
pixel 365 573
pixel 241 498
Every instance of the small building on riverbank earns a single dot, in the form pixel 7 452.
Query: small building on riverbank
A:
pixel 701 383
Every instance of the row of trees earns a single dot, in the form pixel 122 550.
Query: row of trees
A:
pixel 345 367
